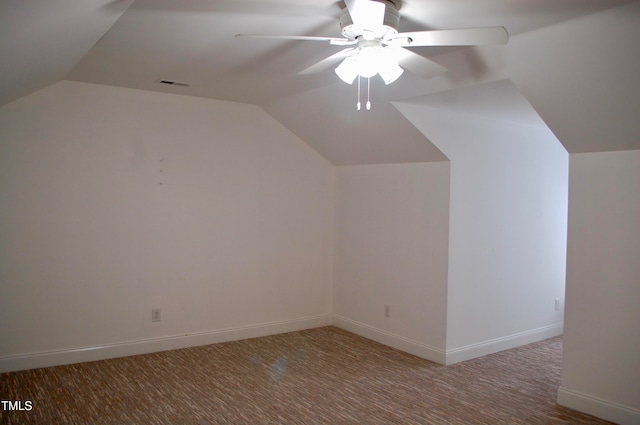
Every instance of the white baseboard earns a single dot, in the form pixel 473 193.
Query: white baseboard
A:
pixel 492 346
pixel 598 407
pixel 401 343
pixel 447 357
pixel 130 348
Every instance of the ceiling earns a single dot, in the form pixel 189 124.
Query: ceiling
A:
pixel 135 44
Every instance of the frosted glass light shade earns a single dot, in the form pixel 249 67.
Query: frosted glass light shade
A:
pixel 390 71
pixel 347 70
pixel 367 63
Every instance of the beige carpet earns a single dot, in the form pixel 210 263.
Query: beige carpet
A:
pixel 318 376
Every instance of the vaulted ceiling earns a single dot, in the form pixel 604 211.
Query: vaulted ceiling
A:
pixel 136 44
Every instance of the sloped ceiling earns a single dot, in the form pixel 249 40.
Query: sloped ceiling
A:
pixel 44 41
pixel 498 101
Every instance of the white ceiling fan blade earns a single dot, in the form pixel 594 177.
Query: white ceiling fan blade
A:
pixel 365 13
pixel 417 64
pixel 331 40
pixel 458 37
pixel 327 62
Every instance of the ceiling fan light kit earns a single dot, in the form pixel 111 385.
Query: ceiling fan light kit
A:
pixel 371 26
pixel 375 21
pixel 369 60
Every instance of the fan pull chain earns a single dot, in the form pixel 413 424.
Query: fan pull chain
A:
pixel 368 104
pixel 358 104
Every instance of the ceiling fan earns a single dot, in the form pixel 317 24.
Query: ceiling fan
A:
pixel 370 26
pixel 375 47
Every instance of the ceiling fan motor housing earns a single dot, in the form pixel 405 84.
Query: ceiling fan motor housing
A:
pixel 389 24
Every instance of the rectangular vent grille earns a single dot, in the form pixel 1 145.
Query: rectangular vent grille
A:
pixel 174 83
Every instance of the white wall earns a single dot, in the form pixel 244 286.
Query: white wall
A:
pixel 391 237
pixel 601 363
pixel 508 218
pixel 116 201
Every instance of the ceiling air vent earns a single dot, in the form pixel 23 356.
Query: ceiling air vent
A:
pixel 174 83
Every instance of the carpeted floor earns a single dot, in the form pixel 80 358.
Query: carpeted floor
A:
pixel 318 376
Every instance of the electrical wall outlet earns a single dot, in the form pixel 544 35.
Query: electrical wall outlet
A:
pixel 387 310
pixel 155 315
pixel 557 304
